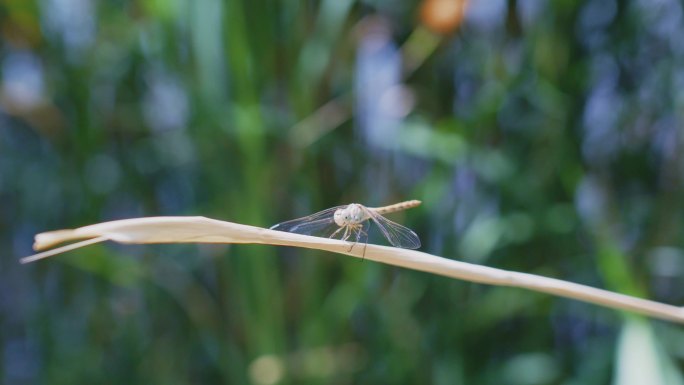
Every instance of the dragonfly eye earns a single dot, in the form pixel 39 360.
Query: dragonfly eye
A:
pixel 339 218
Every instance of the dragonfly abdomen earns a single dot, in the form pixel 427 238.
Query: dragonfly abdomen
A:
pixel 396 207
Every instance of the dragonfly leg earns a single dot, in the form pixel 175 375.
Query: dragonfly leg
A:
pixel 358 237
pixel 363 258
pixel 336 231
pixel 347 232
pixel 357 229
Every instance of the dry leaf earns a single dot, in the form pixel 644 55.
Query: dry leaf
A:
pixel 206 230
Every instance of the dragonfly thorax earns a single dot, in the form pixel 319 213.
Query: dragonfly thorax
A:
pixel 351 215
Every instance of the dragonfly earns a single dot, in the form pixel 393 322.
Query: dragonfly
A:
pixel 351 223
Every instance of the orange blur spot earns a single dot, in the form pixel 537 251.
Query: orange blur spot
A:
pixel 442 16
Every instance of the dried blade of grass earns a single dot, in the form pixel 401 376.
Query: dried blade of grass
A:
pixel 205 230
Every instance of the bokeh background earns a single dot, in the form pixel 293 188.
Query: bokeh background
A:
pixel 542 136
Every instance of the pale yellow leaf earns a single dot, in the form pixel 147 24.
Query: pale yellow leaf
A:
pixel 205 230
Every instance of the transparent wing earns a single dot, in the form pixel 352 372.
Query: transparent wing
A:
pixel 320 224
pixel 396 234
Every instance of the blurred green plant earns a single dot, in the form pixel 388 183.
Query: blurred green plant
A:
pixel 543 137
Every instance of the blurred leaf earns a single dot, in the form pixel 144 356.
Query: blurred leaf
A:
pixel 640 358
pixel 119 269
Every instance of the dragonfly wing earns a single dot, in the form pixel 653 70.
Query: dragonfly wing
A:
pixel 320 224
pixel 396 234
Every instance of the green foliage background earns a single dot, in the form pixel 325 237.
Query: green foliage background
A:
pixel 543 137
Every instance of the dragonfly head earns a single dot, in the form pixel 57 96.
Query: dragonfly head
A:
pixel 349 215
